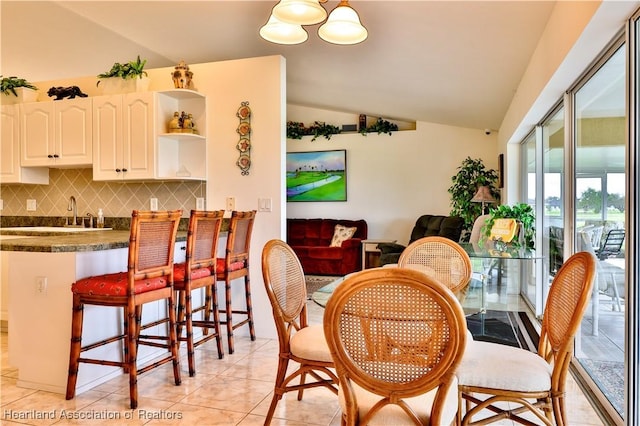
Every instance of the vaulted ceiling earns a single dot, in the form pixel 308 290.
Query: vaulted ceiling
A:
pixel 452 62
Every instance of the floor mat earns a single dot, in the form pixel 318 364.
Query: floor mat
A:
pixel 507 328
pixel 315 282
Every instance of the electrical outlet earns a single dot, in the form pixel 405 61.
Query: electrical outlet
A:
pixel 153 204
pixel 231 203
pixel 199 203
pixel 41 285
pixel 31 205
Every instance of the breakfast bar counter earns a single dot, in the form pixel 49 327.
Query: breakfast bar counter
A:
pixel 37 272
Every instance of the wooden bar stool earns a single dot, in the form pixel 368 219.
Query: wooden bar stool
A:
pixel 235 265
pixel 149 278
pixel 199 271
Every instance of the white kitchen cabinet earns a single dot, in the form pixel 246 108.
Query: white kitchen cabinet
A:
pixel 56 133
pixel 10 169
pixel 132 142
pixel 123 137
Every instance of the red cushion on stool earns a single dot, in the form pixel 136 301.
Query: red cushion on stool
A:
pixel 179 273
pixel 115 285
pixel 234 266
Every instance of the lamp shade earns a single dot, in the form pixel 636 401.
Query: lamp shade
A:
pixel 280 32
pixel 483 195
pixel 343 26
pixel 300 12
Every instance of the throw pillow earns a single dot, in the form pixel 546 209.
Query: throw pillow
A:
pixel 340 234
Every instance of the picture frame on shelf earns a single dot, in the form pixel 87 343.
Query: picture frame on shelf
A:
pixel 317 175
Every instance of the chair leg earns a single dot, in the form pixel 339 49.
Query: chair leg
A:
pixel 247 293
pixel 189 326
pixel 133 329
pixel 213 306
pixel 173 338
pixel 76 344
pixel 206 316
pixel 229 314
pixel 278 389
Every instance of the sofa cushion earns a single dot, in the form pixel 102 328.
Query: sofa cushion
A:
pixel 340 234
pixel 434 225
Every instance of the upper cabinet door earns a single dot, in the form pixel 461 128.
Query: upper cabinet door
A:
pixel 56 133
pixel 124 137
pixel 73 132
pixel 37 134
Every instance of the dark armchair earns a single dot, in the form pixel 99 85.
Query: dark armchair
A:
pixel 426 226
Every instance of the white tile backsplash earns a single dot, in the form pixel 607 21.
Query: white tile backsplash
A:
pixel 115 198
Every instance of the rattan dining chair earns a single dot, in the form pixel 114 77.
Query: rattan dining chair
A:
pixel 198 271
pixel 149 278
pixel 491 373
pixel 396 337
pixel 235 265
pixel 298 341
pixel 442 259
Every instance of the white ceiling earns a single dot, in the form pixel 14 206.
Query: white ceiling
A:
pixel 451 62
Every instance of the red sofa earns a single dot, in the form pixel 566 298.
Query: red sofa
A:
pixel 310 240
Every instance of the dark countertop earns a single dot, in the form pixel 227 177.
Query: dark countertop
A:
pixel 72 242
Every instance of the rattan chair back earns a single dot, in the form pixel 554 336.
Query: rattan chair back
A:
pixel 152 245
pixel 149 278
pixel 201 253
pixel 285 285
pixel 396 333
pixel 234 265
pixel 440 258
pixel 567 301
pixel 569 295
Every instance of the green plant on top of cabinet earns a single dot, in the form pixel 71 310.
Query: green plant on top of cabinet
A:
pixel 10 169
pixel 132 141
pixel 56 134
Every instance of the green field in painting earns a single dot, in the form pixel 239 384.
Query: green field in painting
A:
pixel 334 191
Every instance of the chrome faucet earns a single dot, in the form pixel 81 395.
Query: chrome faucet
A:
pixel 73 207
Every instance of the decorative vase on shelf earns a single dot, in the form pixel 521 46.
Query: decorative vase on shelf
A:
pixel 182 76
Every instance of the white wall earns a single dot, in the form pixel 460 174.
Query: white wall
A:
pixel 392 180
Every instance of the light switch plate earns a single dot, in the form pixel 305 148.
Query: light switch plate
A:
pixel 31 205
pixel 264 204
pixel 153 204
pixel 231 203
pixel 199 203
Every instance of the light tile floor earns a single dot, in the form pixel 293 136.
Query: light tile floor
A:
pixel 236 390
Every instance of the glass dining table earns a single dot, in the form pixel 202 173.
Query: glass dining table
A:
pixel 487 265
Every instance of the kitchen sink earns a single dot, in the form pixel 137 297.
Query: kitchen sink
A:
pixel 56 229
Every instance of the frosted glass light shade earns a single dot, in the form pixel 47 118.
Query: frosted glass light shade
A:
pixel 300 12
pixel 343 26
pixel 280 32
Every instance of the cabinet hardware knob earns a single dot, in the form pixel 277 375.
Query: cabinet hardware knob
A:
pixel 118 170
pixel 49 156
pixel 124 170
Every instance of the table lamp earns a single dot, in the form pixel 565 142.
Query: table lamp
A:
pixel 483 195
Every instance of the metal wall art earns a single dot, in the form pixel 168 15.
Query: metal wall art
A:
pixel 244 144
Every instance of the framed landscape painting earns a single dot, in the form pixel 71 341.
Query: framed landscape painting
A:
pixel 317 176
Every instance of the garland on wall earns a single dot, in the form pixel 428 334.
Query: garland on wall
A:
pixel 244 144
pixel 296 129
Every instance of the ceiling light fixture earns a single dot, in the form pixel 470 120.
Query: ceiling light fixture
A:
pixel 288 16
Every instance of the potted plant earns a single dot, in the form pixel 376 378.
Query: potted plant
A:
pixel 380 126
pixel 125 78
pixel 18 90
pixel 322 129
pixel 471 174
pixel 525 216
